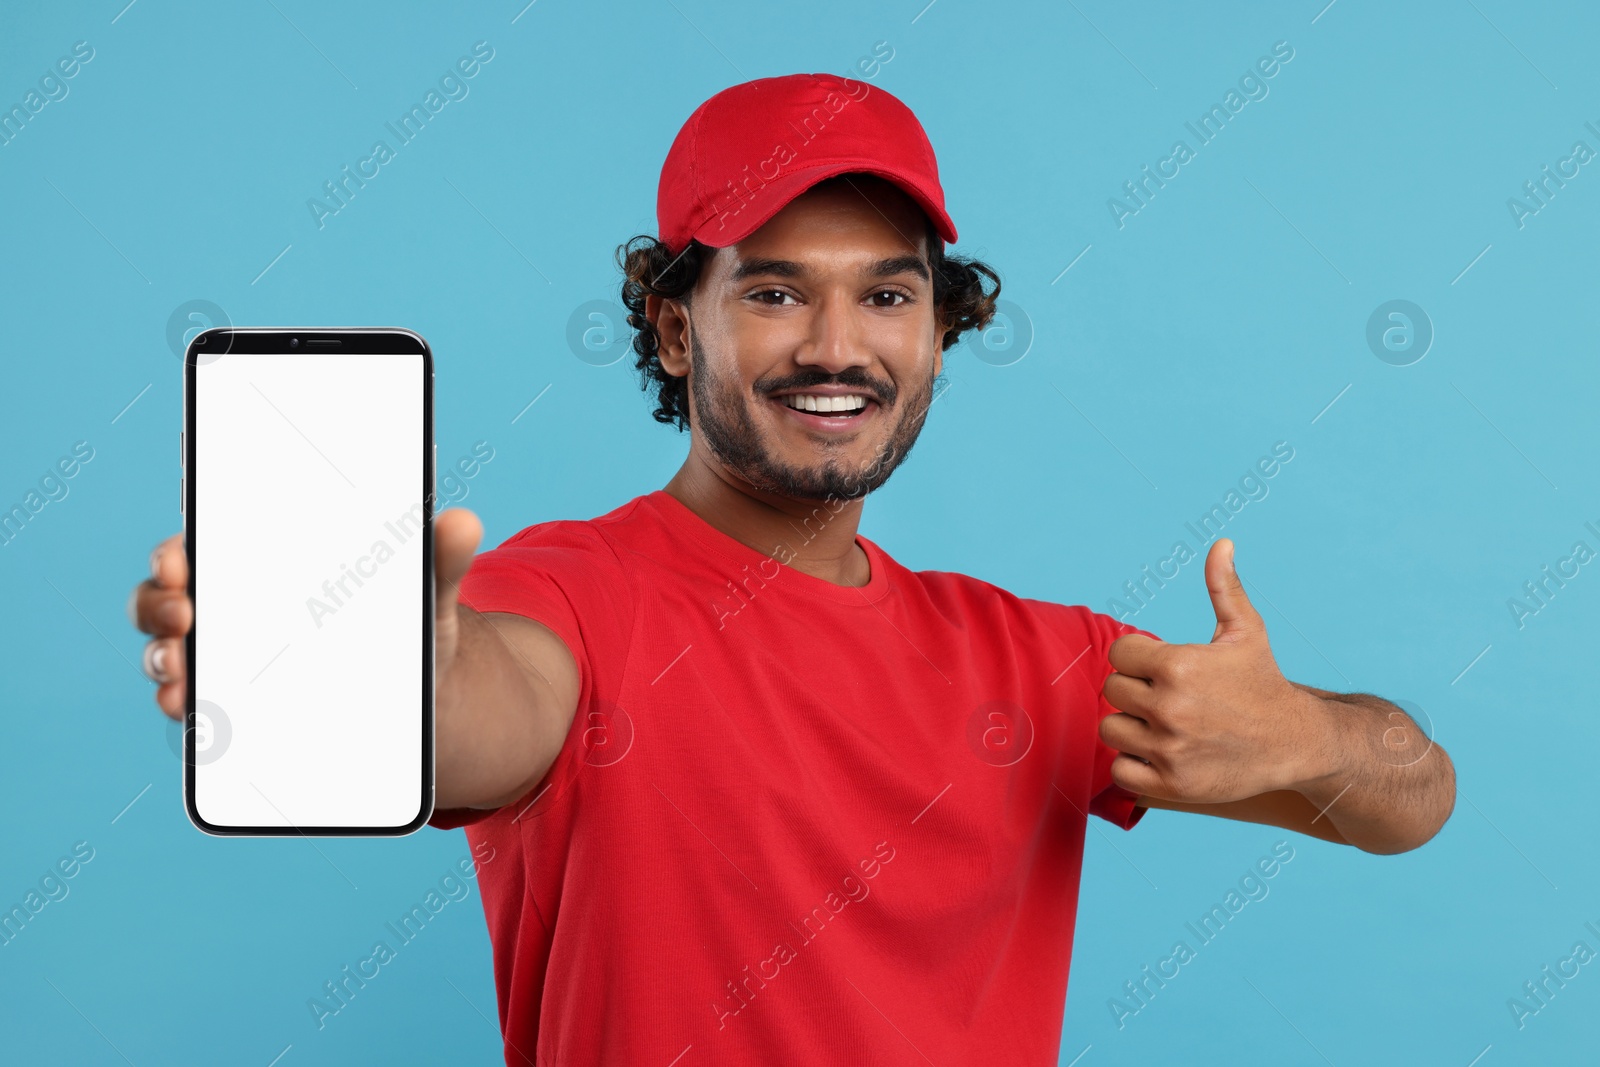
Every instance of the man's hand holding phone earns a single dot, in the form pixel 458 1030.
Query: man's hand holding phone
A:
pixel 505 686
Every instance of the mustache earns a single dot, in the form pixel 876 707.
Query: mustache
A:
pixel 882 393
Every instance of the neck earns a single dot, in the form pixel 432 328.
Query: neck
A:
pixel 812 536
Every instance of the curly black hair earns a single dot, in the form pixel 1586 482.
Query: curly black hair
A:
pixel 650 268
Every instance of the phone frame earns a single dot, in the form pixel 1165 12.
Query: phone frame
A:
pixel 344 340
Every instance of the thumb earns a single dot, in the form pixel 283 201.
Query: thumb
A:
pixel 456 534
pixel 1235 613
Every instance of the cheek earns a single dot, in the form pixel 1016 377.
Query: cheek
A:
pixel 907 352
pixel 760 349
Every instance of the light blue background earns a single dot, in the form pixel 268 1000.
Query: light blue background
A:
pixel 1224 316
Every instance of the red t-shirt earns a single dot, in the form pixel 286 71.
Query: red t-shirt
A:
pixel 793 821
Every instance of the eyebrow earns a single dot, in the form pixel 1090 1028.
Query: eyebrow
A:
pixel 788 268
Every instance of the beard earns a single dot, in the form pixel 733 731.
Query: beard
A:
pixel 722 417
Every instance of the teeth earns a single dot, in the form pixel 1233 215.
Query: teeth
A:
pixel 809 402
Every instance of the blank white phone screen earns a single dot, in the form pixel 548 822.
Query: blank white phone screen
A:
pixel 309 593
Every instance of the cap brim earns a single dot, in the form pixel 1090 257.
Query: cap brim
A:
pixel 775 195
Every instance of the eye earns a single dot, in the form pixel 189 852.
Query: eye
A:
pixel 759 293
pixel 904 298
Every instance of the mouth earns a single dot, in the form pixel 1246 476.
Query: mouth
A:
pixel 828 414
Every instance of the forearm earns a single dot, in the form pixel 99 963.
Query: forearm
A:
pixel 1286 808
pixel 1373 773
pixel 497 715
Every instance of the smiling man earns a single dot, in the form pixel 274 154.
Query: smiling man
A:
pixel 767 795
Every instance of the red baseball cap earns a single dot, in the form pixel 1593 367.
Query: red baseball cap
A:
pixel 753 147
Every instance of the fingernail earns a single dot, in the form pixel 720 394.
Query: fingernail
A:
pixel 155 563
pixel 155 662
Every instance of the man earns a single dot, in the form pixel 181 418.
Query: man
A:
pixel 757 792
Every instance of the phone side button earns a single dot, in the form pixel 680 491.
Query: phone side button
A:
pixel 180 494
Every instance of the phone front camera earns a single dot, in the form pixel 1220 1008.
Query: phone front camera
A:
pixel 294 342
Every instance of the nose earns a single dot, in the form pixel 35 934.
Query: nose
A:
pixel 835 340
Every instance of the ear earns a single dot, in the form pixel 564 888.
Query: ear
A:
pixel 671 321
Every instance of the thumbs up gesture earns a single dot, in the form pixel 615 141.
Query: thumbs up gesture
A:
pixel 1212 723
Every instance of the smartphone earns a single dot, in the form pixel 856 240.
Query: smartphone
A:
pixel 307 493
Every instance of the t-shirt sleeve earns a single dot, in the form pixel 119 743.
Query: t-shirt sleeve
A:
pixel 567 576
pixel 1107 799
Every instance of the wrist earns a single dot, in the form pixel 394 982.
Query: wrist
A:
pixel 1322 769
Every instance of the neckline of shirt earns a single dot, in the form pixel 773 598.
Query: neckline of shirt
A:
pixel 680 517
